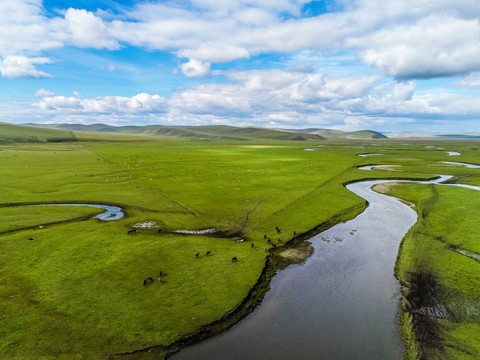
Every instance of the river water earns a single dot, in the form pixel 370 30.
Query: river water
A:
pixel 111 212
pixel 341 303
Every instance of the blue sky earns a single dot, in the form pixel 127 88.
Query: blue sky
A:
pixel 386 65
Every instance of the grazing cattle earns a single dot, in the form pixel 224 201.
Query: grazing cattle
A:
pixel 208 253
pixel 150 280
pixel 269 241
pixel 278 231
pixel 279 240
pixel 130 232
pixel 252 244
pixel 196 255
pixel 159 280
pixel 265 236
pixel 31 238
pixel 145 282
pixel 160 273
pixel 234 259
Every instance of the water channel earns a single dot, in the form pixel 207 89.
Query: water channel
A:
pixel 341 303
pixel 111 212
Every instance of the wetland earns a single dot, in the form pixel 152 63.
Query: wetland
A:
pixel 78 290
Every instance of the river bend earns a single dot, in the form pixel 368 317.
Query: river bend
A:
pixel 341 303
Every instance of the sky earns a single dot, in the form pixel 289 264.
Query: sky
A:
pixel 384 65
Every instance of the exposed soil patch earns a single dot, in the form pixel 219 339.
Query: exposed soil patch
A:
pixel 384 188
pixel 297 254
pixel 389 168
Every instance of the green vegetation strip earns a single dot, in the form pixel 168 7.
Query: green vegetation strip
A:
pixel 441 285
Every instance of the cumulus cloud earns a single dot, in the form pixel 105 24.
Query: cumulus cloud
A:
pixel 195 68
pixel 41 93
pixel 432 38
pixel 87 30
pixel 215 52
pixel 138 104
pixel 404 41
pixel 439 45
pixel 22 66
pixel 24 29
pixel 271 98
pixel 404 90
pixel 471 82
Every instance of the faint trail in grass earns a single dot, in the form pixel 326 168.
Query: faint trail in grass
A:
pixel 146 184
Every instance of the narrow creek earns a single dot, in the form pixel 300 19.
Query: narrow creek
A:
pixel 111 212
pixel 341 303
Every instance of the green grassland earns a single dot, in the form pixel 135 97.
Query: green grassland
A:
pixel 77 290
pixel 447 224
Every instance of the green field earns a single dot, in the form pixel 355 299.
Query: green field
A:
pixel 77 290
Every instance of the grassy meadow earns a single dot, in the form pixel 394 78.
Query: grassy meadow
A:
pixel 77 290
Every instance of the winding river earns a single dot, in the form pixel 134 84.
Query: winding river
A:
pixel 341 303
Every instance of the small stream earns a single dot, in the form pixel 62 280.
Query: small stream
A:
pixel 341 303
pixel 111 212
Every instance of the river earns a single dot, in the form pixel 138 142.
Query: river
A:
pixel 341 303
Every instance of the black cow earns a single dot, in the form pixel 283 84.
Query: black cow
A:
pixel 234 259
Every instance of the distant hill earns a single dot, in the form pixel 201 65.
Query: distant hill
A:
pixel 424 135
pixel 25 134
pixel 222 132
pixel 210 132
pixel 337 134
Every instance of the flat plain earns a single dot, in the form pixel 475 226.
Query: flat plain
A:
pixel 78 289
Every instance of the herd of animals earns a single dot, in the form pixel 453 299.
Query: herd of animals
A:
pixel 149 280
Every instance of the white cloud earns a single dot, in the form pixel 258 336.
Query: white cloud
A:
pixel 195 68
pixel 215 53
pixel 427 39
pixel 138 104
pixel 439 45
pixel 43 93
pixel 404 90
pixel 277 98
pixel 25 30
pixel 22 66
pixel 471 82
pixel 87 30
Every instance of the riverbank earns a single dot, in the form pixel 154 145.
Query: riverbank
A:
pixel 440 284
pixel 297 245
pixel 326 303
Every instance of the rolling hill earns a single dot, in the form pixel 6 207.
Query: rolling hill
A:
pixel 26 134
pixel 222 132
